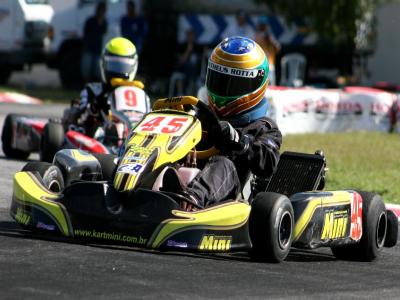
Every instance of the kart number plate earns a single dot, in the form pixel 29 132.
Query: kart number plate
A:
pixel 162 124
pixel 130 99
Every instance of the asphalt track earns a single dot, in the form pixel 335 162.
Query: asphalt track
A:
pixel 37 267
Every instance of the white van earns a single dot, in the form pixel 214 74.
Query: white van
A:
pixel 24 34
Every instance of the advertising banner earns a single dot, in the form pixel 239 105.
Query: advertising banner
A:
pixel 303 110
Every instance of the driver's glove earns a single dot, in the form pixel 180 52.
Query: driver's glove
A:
pixel 231 140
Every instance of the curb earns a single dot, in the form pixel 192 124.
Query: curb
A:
pixel 394 208
pixel 11 97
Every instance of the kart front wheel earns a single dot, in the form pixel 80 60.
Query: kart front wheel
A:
pixel 374 228
pixel 52 141
pixel 49 174
pixel 271 227
pixel 7 137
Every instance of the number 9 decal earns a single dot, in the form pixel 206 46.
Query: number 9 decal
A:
pixel 130 98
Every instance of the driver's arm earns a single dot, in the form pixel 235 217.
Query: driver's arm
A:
pixel 265 140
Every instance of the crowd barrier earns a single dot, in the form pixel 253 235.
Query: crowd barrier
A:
pixel 305 110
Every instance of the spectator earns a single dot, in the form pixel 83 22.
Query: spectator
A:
pixel 188 62
pixel 269 44
pixel 240 28
pixel 94 30
pixel 133 26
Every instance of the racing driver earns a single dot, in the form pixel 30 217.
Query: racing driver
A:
pixel 237 77
pixel 119 61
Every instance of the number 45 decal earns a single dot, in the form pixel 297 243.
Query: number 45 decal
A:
pixel 164 124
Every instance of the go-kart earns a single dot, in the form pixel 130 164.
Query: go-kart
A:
pixel 97 197
pixel 23 135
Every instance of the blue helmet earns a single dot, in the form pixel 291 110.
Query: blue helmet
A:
pixel 237 77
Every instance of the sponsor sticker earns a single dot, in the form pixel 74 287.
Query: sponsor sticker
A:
pixel 133 168
pixel 251 73
pixel 215 243
pixel 171 243
pixel 335 224
pixel 114 236
pixel 45 226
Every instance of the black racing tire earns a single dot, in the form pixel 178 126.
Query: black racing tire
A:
pixel 6 138
pixel 271 225
pixel 49 174
pixel 108 165
pixel 374 227
pixel 392 229
pixel 52 141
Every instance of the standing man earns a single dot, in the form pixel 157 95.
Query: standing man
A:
pixel 240 28
pixel 269 44
pixel 94 30
pixel 133 26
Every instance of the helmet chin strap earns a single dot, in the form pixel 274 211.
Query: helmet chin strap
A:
pixel 245 118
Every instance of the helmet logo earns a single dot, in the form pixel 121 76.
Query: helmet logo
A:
pixel 248 73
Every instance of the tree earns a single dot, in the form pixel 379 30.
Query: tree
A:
pixel 336 21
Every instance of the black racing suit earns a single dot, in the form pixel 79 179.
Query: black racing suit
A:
pixel 93 100
pixel 223 175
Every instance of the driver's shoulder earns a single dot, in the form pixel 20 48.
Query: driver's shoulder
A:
pixel 95 88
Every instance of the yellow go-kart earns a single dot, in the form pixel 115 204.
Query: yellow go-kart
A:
pixel 123 201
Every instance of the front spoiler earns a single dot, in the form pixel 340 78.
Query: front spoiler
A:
pixel 93 211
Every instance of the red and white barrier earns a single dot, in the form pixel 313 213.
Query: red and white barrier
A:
pixel 11 97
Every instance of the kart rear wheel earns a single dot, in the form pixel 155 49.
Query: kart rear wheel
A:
pixel 6 139
pixel 374 227
pixel 52 141
pixel 271 227
pixel 50 175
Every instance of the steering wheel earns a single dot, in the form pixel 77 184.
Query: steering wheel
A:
pixel 209 120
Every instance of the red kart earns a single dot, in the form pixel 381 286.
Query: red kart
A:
pixel 23 135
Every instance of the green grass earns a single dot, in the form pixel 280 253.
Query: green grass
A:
pixel 47 94
pixel 362 160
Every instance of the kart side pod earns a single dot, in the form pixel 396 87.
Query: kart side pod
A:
pixel 76 164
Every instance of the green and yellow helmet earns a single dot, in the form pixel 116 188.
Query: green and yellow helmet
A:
pixel 119 60
pixel 237 77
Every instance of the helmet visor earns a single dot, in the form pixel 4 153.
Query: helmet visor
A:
pixel 119 65
pixel 229 82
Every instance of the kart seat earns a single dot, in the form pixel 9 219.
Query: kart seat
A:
pixel 186 175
